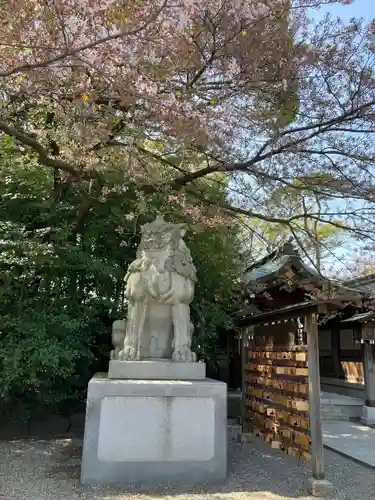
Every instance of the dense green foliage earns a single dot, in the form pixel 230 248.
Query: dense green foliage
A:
pixel 63 257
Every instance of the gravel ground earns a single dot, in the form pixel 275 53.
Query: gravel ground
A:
pixel 49 470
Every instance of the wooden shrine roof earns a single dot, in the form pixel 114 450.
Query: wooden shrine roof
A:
pixel 360 317
pixel 286 264
pixel 365 284
pixel 271 265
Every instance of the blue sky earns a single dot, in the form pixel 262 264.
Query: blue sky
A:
pixel 342 255
pixel 359 8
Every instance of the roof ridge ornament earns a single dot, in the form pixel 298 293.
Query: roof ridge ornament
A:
pixel 288 248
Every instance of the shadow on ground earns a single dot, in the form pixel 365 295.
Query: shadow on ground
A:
pixel 51 427
pixel 49 469
pixel 254 472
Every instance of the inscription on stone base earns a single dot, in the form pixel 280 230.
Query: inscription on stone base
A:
pixel 169 435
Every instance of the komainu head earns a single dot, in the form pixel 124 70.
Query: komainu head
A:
pixel 159 234
pixel 164 240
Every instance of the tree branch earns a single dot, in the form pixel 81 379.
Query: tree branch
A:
pixel 43 157
pixel 69 52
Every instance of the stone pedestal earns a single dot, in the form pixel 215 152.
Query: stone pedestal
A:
pixel 155 432
pixel 156 369
pixel 368 415
pixel 320 488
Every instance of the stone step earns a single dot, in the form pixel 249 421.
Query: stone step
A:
pixel 339 407
pixel 334 406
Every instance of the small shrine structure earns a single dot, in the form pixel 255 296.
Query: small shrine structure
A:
pixel 280 353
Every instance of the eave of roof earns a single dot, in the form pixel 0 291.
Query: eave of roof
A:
pixel 361 280
pixel 270 267
pixel 360 317
pixel 336 287
pixel 273 263
pixel 290 311
pixel 250 310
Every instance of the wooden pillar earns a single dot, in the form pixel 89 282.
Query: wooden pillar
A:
pixel 243 385
pixel 335 346
pixel 246 340
pixel 314 398
pixel 368 371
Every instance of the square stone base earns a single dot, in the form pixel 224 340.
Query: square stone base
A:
pixel 368 415
pixel 156 369
pixel 320 488
pixel 155 432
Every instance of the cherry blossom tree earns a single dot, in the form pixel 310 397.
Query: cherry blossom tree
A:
pixel 250 95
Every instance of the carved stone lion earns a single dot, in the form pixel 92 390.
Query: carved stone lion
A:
pixel 118 337
pixel 159 288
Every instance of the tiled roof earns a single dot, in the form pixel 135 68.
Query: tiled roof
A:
pixel 250 310
pixel 359 317
pixel 365 284
pixel 272 264
pixel 275 262
pixel 269 267
pixel 368 288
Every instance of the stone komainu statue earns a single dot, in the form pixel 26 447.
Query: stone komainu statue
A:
pixel 159 288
